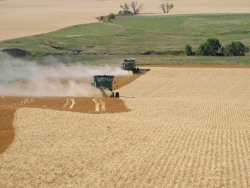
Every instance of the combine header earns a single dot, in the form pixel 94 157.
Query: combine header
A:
pixel 130 65
pixel 104 83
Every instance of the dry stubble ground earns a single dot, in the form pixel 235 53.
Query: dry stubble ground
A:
pixel 187 127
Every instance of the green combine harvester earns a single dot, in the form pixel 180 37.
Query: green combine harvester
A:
pixel 130 65
pixel 104 82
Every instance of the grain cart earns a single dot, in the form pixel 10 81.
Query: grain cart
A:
pixel 104 82
pixel 130 65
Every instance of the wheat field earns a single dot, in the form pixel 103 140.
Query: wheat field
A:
pixel 173 127
pixel 185 127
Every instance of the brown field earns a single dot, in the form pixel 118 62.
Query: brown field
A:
pixel 174 127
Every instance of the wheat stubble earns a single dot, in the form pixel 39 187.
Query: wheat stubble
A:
pixel 191 129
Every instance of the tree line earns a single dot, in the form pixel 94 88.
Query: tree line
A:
pixel 136 8
pixel 213 47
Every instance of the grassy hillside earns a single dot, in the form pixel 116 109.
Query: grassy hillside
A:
pixel 163 37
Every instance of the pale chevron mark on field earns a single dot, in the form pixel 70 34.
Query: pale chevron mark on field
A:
pixel 69 102
pixel 72 103
pixel 26 101
pixel 98 104
pixel 103 105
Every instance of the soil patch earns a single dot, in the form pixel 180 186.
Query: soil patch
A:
pixel 7 131
pixel 15 52
pixel 8 106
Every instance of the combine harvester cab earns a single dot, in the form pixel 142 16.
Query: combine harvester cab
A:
pixel 130 65
pixel 104 82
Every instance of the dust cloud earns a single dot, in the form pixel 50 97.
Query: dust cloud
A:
pixel 22 78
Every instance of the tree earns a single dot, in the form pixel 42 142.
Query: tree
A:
pixel 210 47
pixel 235 49
pixel 169 6
pixel 111 16
pixel 166 7
pixel 135 8
pixel 188 50
pixel 162 6
pixel 101 18
pixel 125 8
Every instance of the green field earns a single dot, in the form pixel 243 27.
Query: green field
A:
pixel 163 37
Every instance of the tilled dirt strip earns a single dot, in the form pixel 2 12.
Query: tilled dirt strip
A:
pixel 73 104
pixel 8 106
pixel 7 131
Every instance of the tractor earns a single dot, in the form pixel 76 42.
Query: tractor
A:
pixel 104 82
pixel 130 65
